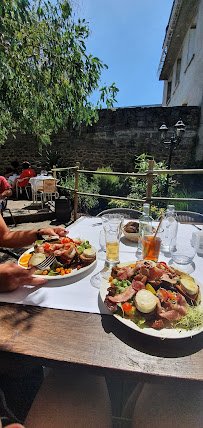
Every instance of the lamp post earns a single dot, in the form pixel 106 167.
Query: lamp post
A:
pixel 179 129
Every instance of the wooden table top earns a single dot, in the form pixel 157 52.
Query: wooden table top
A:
pixel 97 342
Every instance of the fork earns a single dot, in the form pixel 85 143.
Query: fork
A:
pixel 46 263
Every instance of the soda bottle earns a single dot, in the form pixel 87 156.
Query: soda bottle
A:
pixel 145 221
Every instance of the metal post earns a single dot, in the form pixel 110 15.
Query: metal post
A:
pixel 172 142
pixel 149 181
pixel 76 190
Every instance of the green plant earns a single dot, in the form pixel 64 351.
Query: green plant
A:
pixel 85 203
pixel 137 186
pixel 108 185
pixel 46 74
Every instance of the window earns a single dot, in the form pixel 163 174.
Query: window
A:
pixel 168 96
pixel 178 68
pixel 191 43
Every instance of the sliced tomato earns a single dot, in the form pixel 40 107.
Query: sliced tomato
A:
pixel 127 307
pixel 172 295
pixel 46 246
pixel 66 240
pixel 163 294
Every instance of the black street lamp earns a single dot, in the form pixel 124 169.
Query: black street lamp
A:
pixel 179 129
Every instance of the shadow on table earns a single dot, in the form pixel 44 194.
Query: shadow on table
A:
pixel 19 315
pixel 128 243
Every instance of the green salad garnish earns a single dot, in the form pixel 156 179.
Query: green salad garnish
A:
pixel 193 318
pixel 83 246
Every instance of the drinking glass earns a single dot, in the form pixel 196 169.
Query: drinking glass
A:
pixel 151 244
pixel 183 248
pixel 102 241
pixel 112 224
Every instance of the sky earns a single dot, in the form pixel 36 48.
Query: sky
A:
pixel 127 35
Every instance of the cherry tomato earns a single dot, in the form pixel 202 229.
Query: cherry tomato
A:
pixel 46 246
pixel 66 240
pixel 127 307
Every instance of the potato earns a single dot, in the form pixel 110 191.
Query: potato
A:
pixel 36 259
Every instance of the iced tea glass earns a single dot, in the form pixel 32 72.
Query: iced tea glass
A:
pixel 112 224
pixel 151 244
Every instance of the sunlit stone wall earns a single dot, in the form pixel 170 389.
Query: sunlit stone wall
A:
pixel 116 139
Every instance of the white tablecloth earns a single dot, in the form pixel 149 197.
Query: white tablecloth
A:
pixel 37 181
pixel 79 294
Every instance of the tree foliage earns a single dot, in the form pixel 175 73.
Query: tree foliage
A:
pixel 46 74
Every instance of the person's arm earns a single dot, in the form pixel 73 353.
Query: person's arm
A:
pixel 7 192
pixel 15 239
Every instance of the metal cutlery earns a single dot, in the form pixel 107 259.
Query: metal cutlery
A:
pixel 46 263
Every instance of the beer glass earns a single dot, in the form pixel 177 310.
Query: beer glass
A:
pixel 112 224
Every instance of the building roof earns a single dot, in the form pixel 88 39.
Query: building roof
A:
pixel 181 17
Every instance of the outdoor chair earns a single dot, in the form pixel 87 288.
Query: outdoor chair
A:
pixel 19 189
pixel 45 191
pixel 127 212
pixel 189 217
pixel 5 208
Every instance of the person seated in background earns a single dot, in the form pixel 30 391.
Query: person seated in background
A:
pixel 5 189
pixel 11 177
pixel 27 173
pixel 15 167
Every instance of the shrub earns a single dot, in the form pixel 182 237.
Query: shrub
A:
pixel 137 187
pixel 108 185
pixel 85 184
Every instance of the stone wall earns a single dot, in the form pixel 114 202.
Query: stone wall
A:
pixel 115 140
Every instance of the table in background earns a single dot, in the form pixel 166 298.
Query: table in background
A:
pixel 37 182
pixel 97 342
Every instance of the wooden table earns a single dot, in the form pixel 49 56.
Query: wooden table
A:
pixel 98 342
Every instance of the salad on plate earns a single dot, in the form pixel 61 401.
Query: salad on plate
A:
pixel 70 255
pixel 154 295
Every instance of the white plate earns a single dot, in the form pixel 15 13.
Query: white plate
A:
pixel 164 333
pixel 74 272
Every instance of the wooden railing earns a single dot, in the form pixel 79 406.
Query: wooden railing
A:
pixel 148 175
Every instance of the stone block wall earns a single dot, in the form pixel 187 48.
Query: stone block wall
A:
pixel 115 140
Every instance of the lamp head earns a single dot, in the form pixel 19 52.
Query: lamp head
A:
pixel 163 131
pixel 180 128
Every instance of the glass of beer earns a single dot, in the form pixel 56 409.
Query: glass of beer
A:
pixel 112 224
pixel 151 244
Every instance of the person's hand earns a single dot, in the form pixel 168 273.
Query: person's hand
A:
pixel 52 231
pixel 13 276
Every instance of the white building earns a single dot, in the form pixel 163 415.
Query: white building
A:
pixel 181 64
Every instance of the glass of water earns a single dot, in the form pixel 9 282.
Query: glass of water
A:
pixel 183 248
